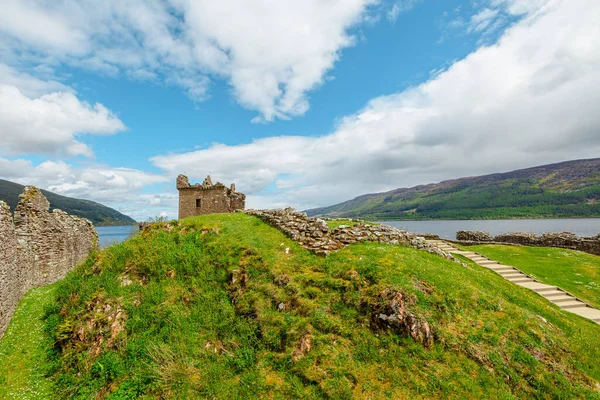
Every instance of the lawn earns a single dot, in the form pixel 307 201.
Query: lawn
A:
pixel 23 349
pixel 574 271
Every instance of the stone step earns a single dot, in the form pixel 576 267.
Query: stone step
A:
pixel 500 267
pixel 561 299
pixel 524 279
pixel 545 288
pixel 550 295
pixel 587 312
pixel 537 286
pixel 505 271
pixel 488 262
pixel 514 275
pixel 479 259
pixel 572 304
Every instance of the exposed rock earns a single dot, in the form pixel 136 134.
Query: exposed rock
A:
pixel 303 347
pixel 38 248
pixel 474 236
pixel 389 312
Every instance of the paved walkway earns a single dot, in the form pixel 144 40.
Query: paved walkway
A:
pixel 556 295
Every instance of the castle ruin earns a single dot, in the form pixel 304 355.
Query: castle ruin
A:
pixel 206 198
pixel 38 247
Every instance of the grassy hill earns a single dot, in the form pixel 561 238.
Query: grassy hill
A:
pixel 95 212
pixel 225 306
pixel 568 189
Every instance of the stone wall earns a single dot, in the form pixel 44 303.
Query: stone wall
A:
pixel 37 247
pixel 314 234
pixel 206 198
pixel 565 240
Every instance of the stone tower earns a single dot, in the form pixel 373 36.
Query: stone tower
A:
pixel 206 198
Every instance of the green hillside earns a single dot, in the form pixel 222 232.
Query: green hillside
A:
pixel 565 190
pixel 225 306
pixel 95 212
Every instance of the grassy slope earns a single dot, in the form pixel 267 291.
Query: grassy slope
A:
pixel 190 332
pixel 97 213
pixel 23 349
pixel 574 271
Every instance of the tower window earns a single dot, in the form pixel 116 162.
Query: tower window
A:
pixel 198 203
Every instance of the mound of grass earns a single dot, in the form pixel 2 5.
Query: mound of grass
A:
pixel 574 271
pixel 224 306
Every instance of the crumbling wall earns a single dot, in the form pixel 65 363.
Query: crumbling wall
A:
pixel 38 247
pixel 314 234
pixel 565 240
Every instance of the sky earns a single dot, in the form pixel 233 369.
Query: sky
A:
pixel 301 103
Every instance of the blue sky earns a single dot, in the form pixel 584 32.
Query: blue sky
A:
pixel 302 103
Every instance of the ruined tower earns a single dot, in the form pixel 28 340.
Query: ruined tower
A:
pixel 206 198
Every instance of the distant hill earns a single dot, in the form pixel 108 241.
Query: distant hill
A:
pixel 566 189
pixel 95 212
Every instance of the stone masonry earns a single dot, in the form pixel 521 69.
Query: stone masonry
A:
pixel 206 198
pixel 565 240
pixel 37 247
pixel 314 234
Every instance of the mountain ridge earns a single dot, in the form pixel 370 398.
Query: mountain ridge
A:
pixel 564 189
pixel 98 213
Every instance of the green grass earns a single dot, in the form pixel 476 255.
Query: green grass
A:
pixel 159 316
pixel 23 349
pixel 332 224
pixel 574 271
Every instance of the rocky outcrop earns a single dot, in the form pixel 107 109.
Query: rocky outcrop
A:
pixel 37 247
pixel 565 240
pixel 314 234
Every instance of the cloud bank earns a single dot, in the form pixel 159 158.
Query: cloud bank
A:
pixel 272 53
pixel 531 98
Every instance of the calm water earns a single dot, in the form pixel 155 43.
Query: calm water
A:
pixel 108 235
pixel 447 229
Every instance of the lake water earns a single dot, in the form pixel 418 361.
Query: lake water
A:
pixel 108 235
pixel 448 229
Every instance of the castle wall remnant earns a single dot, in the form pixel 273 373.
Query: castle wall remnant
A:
pixel 566 240
pixel 38 247
pixel 207 198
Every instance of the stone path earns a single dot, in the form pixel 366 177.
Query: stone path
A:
pixel 556 295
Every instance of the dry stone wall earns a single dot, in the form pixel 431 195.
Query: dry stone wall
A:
pixel 314 234
pixel 37 247
pixel 565 240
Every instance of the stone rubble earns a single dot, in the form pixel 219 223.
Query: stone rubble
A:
pixel 314 234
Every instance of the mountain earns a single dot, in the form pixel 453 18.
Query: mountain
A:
pixel 95 212
pixel 566 189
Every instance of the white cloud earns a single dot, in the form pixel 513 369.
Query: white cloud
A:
pixel 527 100
pixel 482 19
pixel 49 121
pixel 272 53
pixel 400 7
pixel 121 188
